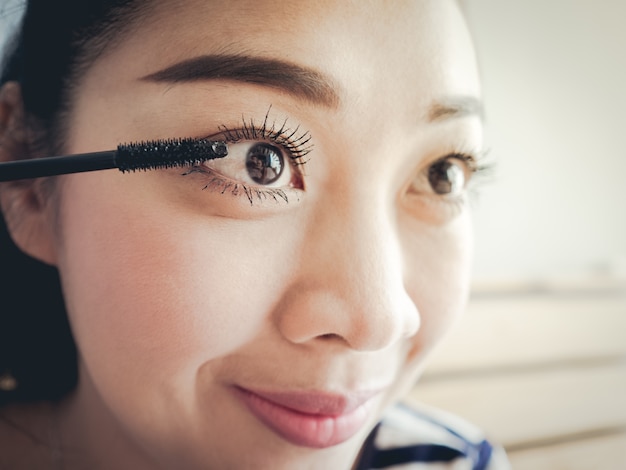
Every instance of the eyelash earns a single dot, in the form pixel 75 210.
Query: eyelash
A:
pixel 296 144
pixel 480 167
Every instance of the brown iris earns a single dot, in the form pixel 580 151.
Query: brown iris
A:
pixel 447 177
pixel 264 163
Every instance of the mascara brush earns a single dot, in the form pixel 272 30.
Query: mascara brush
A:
pixel 149 155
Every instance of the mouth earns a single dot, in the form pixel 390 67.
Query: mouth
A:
pixel 309 419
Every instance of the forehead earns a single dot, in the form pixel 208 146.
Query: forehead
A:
pixel 388 62
pixel 359 43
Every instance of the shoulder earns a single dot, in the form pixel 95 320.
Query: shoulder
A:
pixel 428 438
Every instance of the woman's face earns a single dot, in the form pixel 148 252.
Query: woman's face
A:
pixel 263 310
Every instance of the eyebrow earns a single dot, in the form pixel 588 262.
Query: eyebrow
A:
pixel 302 82
pixel 456 107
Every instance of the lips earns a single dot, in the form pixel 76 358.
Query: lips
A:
pixel 310 419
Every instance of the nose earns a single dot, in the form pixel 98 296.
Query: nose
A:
pixel 350 286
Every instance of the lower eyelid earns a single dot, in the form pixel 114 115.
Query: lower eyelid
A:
pixel 435 209
pixel 216 182
pixel 296 142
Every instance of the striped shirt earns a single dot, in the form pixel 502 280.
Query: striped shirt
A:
pixel 429 439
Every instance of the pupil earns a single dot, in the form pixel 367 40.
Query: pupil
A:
pixel 264 163
pixel 446 178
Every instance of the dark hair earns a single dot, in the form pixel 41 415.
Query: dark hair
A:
pixel 58 41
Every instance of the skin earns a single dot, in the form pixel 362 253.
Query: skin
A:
pixel 175 293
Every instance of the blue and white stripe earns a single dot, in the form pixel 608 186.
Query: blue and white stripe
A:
pixel 429 439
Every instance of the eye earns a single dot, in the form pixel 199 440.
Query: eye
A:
pixel 445 177
pixel 258 164
pixel 264 162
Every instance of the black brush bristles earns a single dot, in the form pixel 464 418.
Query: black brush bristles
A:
pixel 151 155
pixel 168 153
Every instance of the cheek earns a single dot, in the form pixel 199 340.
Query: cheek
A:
pixel 438 267
pixel 169 290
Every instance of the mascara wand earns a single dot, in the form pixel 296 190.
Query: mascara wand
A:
pixel 149 155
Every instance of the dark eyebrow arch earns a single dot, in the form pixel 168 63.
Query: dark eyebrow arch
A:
pixel 456 107
pixel 301 82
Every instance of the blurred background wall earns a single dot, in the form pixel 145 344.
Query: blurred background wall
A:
pixel 554 76
pixel 539 359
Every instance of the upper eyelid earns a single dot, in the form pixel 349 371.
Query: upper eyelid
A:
pixel 294 139
pixel 473 156
pixel 300 145
pixel 468 159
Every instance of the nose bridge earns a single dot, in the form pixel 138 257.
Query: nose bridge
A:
pixel 364 256
pixel 354 278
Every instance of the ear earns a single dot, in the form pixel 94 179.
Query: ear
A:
pixel 26 204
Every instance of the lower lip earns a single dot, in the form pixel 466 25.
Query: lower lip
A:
pixel 303 429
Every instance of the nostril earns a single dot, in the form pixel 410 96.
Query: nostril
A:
pixel 329 336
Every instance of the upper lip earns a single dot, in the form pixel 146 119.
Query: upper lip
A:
pixel 313 402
